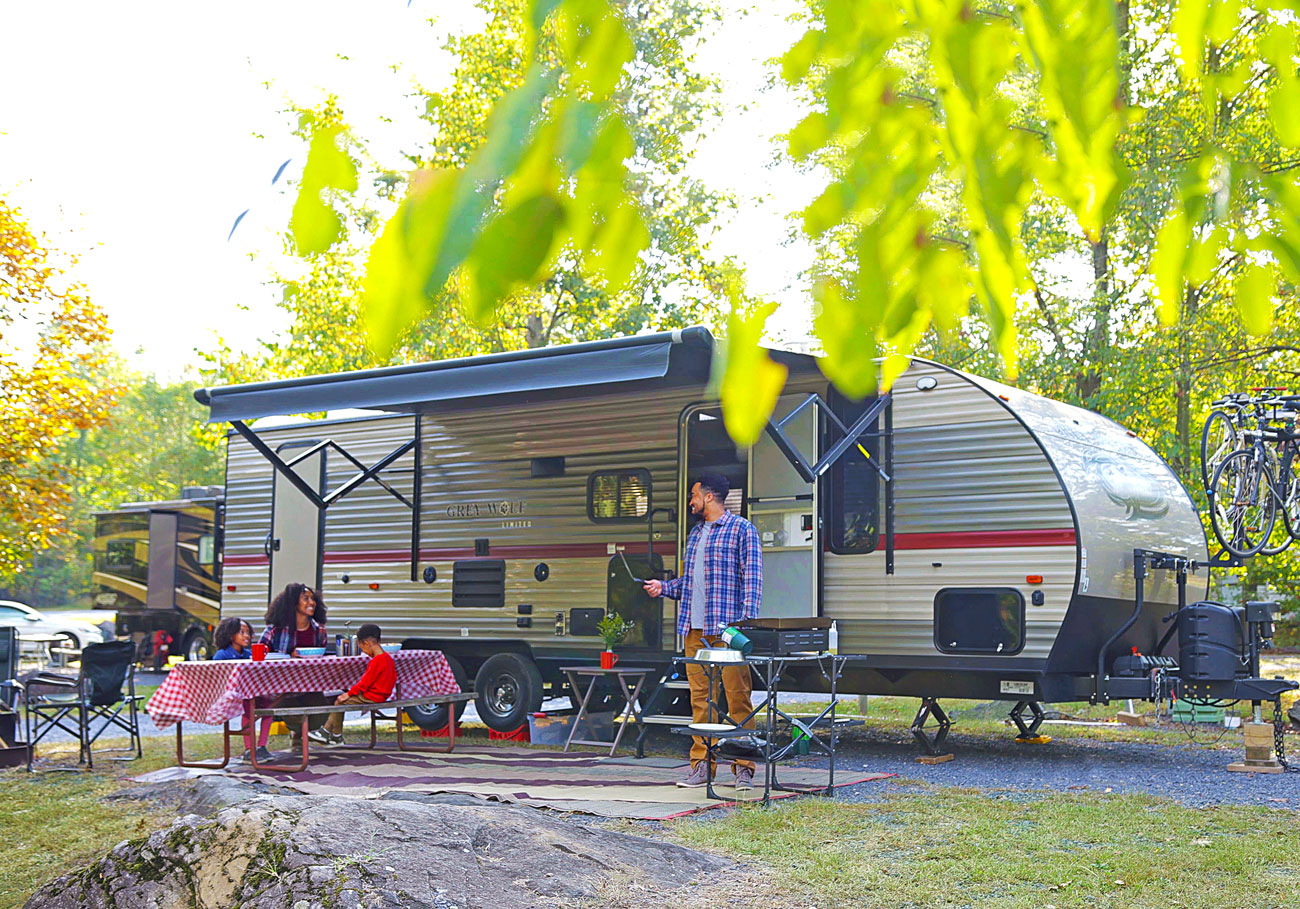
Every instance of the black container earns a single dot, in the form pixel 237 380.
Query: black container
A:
pixel 785 641
pixel 1210 643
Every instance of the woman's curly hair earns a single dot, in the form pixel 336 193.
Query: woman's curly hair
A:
pixel 283 610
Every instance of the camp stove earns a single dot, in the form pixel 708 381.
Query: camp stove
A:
pixel 786 636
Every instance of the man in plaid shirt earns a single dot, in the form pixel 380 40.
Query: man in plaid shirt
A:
pixel 721 583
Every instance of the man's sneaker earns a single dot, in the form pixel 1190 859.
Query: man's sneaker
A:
pixel 263 753
pixel 744 778
pixel 336 738
pixel 244 757
pixel 320 736
pixel 699 776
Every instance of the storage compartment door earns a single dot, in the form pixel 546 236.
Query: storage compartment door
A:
pixel 783 508
pixel 297 526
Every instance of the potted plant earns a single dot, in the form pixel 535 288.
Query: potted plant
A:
pixel 612 628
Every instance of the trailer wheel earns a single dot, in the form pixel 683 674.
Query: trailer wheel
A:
pixel 435 717
pixel 197 647
pixel 507 689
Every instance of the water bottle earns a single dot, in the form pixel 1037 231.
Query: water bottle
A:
pixel 338 645
pixel 833 640
pixel 736 640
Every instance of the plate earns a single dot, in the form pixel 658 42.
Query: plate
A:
pixel 712 727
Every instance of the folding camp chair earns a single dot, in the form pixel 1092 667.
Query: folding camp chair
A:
pixel 54 701
pixel 9 691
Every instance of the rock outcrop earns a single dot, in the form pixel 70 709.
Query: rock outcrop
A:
pixel 309 851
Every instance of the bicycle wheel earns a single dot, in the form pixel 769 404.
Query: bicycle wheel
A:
pixel 1242 507
pixel 1279 538
pixel 1218 440
pixel 1289 484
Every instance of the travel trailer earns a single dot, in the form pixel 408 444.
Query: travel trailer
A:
pixel 157 565
pixel 970 540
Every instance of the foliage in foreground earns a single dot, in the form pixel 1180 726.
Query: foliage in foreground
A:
pixel 952 847
pixel 1018 105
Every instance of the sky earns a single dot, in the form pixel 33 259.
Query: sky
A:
pixel 137 133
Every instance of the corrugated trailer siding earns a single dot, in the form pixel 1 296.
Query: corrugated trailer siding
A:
pixel 963 464
pixel 894 614
pixel 473 461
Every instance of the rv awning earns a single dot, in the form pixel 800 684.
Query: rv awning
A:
pixel 409 389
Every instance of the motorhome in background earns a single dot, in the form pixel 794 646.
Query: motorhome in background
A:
pixel 484 506
pixel 158 566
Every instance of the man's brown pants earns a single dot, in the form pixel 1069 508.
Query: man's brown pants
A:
pixel 739 685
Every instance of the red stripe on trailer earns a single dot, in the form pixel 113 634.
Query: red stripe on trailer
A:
pixel 548 551
pixel 981 539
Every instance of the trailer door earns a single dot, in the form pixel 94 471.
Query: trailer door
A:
pixel 296 541
pixel 783 508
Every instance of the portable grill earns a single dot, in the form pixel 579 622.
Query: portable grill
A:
pixel 784 636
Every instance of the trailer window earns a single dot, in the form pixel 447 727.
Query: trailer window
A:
pixel 119 554
pixel 618 495
pixel 207 550
pixel 979 620
pixel 853 503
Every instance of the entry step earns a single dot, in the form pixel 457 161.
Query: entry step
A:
pixel 666 719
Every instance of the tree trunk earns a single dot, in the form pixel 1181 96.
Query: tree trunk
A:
pixel 1092 362
pixel 1184 460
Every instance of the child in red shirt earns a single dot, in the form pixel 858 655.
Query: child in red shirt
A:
pixel 376 684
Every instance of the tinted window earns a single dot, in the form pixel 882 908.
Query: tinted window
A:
pixel 618 495
pixel 979 620
pixel 853 519
pixel 8 612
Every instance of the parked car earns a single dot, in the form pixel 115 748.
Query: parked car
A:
pixel 31 621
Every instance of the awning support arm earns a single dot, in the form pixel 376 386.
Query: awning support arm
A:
pixel 286 470
pixel 809 471
pixel 278 463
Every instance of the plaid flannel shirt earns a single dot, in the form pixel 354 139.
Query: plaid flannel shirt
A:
pixel 733 575
pixel 281 639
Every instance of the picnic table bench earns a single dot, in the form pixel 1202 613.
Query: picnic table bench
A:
pixel 376 714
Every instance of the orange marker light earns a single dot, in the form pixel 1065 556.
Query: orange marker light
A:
pixel 1004 397
pixel 1033 579
pixel 230 587
pixel 374 586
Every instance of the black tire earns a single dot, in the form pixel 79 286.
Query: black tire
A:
pixel 196 647
pixel 1218 440
pixel 507 689
pixel 1242 504
pixel 1288 490
pixel 435 717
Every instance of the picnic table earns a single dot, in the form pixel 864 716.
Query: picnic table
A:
pixel 214 692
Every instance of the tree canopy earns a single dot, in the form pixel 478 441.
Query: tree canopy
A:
pixel 52 349
pixel 644 262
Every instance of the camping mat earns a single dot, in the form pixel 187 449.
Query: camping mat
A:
pixel 578 781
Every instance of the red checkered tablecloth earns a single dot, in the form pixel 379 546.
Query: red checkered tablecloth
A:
pixel 214 691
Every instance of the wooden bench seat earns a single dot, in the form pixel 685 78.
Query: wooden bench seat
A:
pixel 376 713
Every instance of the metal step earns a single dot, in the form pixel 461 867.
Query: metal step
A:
pixel 665 719
pixel 677 683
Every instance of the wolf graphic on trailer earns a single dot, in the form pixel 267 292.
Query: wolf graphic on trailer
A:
pixel 970 540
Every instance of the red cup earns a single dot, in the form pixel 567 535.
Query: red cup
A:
pixel 608 659
pixel 259 652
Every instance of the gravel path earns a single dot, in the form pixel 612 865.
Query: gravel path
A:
pixel 1192 775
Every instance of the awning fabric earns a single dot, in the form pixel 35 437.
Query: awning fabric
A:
pixel 410 389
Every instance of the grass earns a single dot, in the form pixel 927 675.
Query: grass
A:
pixel 955 847
pixel 55 822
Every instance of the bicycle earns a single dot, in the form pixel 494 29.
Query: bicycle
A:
pixel 1253 484
pixel 1221 434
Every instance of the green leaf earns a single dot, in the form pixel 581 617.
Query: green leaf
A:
pixel 617 246
pixel 1284 109
pixel 1255 289
pixel 393 294
pixel 1190 20
pixel 751 381
pixel 602 54
pixel 1167 264
pixel 314 225
pixel 511 250
pixel 799 59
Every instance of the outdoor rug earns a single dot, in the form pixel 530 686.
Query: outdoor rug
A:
pixel 585 782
